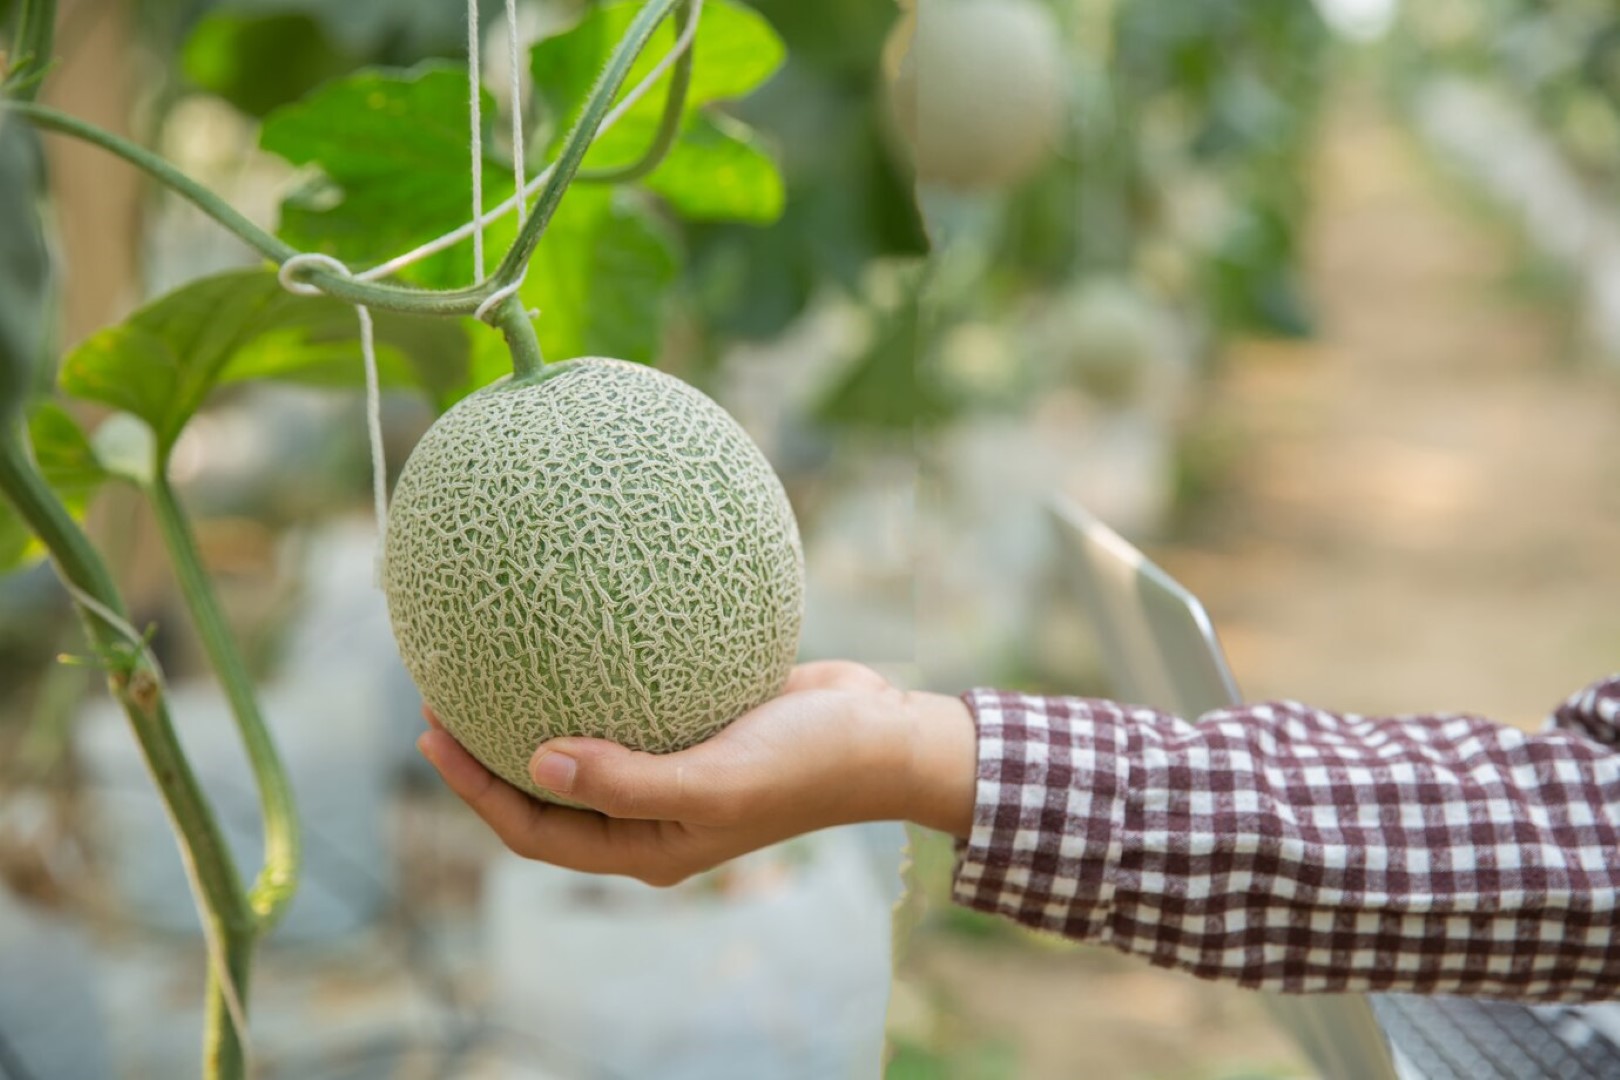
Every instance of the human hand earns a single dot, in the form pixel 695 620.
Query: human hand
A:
pixel 839 746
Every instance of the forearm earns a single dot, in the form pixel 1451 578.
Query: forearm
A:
pixel 1282 847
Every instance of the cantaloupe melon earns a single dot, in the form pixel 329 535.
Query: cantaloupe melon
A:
pixel 1105 335
pixel 977 89
pixel 599 551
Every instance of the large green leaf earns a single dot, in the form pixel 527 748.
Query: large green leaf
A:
pixel 162 363
pixel 64 454
pixel 394 167
pixel 718 169
pixel 260 54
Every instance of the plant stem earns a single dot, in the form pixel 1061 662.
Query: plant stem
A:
pixel 161 170
pixel 521 340
pixel 579 140
pixel 382 297
pixel 36 29
pixel 669 124
pixel 278 878
pixel 138 689
pixel 224 1056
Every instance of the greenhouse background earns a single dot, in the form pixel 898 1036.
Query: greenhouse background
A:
pixel 1318 303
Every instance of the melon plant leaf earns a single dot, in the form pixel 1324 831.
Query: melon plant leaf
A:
pixel 18 548
pixel 394 168
pixel 718 169
pixel 69 465
pixel 64 454
pixel 162 363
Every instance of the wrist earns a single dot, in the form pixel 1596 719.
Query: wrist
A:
pixel 941 772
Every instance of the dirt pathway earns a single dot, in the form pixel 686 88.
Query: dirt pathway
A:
pixel 1423 513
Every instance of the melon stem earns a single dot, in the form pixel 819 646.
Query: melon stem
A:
pixel 518 329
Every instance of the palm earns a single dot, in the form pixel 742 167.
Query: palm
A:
pixel 776 772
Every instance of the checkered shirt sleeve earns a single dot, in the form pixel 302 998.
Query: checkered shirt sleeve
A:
pixel 1282 847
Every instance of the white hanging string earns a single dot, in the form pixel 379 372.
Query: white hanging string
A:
pixel 486 309
pixel 287 275
pixel 475 138
pixel 211 937
pixel 515 60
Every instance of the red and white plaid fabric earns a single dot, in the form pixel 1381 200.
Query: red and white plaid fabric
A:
pixel 1283 847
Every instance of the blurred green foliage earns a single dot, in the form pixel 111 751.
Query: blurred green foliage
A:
pixel 1559 57
pixel 259 54
pixel 1193 128
pixel 1183 167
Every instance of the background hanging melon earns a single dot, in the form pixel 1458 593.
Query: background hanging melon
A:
pixel 977 89
pixel 601 551
pixel 1105 335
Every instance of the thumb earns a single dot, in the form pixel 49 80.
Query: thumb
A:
pixel 621 783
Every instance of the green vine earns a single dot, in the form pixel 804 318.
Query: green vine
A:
pixel 514 323
pixel 137 686
pixel 669 123
pixel 278 877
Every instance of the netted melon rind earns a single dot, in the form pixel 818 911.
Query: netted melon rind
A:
pixel 602 553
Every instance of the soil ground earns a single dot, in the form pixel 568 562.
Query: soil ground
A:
pixel 1417 510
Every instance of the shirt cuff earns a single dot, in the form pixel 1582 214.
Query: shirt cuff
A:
pixel 1049 813
pixel 1594 713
